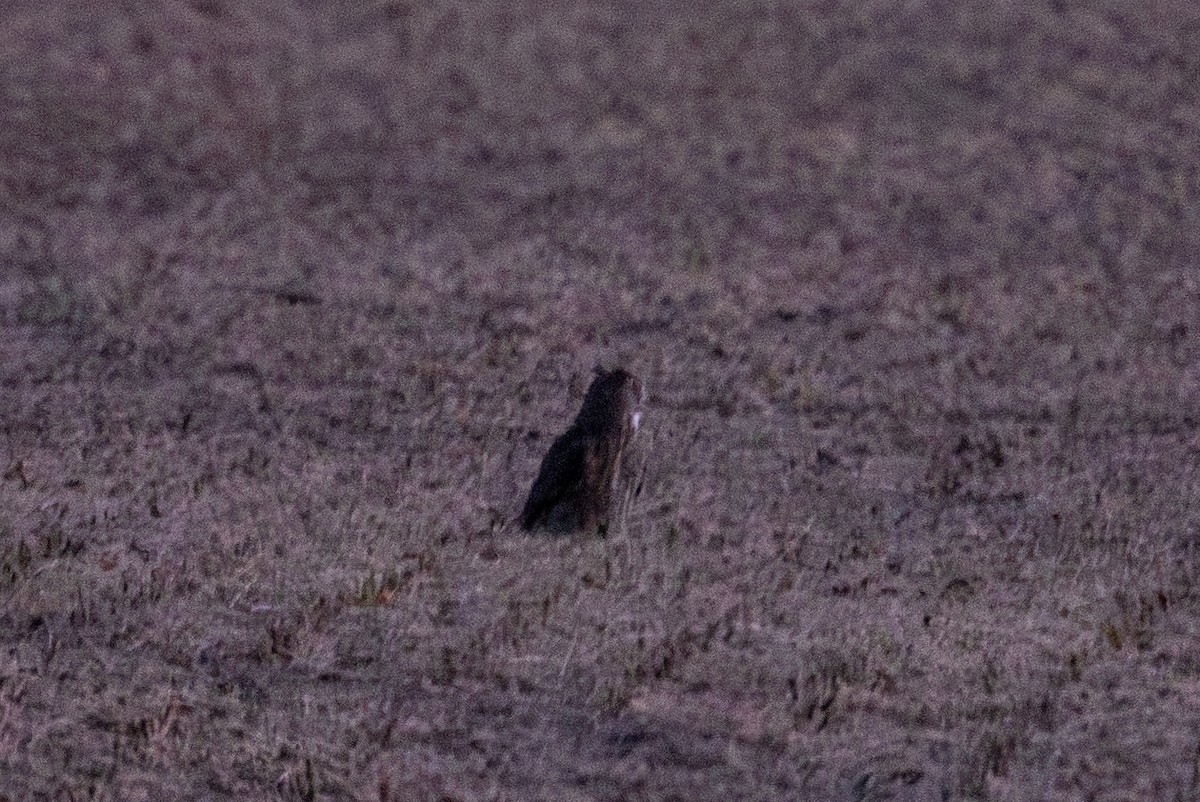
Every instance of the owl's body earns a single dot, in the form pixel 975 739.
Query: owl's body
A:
pixel 574 486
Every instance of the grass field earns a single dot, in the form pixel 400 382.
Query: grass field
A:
pixel 293 298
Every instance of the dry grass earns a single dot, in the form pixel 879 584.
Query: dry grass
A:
pixel 292 298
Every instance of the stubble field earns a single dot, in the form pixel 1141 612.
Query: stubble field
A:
pixel 293 298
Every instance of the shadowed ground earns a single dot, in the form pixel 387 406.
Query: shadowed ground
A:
pixel 293 299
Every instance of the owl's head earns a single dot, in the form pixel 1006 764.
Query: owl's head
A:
pixel 615 392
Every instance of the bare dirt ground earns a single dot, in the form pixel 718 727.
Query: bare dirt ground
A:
pixel 293 298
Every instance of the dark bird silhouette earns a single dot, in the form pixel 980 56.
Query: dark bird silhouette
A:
pixel 574 486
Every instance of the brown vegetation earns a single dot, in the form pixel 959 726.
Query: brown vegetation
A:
pixel 288 294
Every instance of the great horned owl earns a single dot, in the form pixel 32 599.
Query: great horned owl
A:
pixel 574 486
